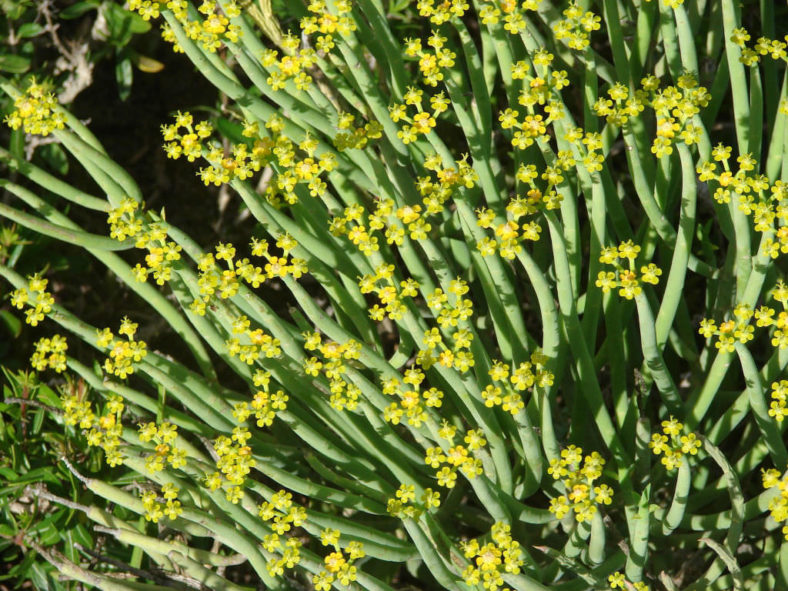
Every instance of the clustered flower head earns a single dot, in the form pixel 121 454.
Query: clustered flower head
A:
pixel 422 121
pixel 36 111
pixel 542 88
pixel 36 297
pixel 514 21
pixel 620 105
pixel 750 56
pixel 672 444
pixel 409 220
pixel 578 474
pixel 590 146
pixel 127 221
pixel 392 297
pixel 510 233
pixel 333 365
pixel 338 565
pixel 404 506
pixel 504 391
pixel 327 24
pixel 155 509
pixel 184 137
pixel 778 408
pixel 265 403
pixel 50 353
pixel 739 329
pixel 442 11
pixel 491 560
pixel 101 430
pixel 675 107
pixel 122 354
pixel 432 62
pixel 457 354
pixel 282 515
pixel 293 65
pixel 618 580
pixel 235 462
pixel 351 137
pixel 224 279
pixel 576 27
pixel 412 398
pixel 755 196
pixel 625 278
pixel 456 457
pixel 212 29
pixel 165 451
pixel 778 505
pixel 670 3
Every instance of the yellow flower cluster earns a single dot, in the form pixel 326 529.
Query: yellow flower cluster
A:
pixel 619 106
pixel 155 510
pixel 491 560
pixel 188 141
pixel 256 343
pixel 527 375
pixel 122 353
pixel 293 65
pixel 442 11
pixel 739 329
pixel 412 400
pixel 578 474
pixel 392 298
pixel 351 137
pixel 675 107
pixel 750 56
pixel 765 203
pixel 431 62
pixel 778 408
pixel 510 233
pixel 458 356
pixel 626 279
pixel 50 353
pixel 592 146
pixel 282 515
pixel 619 581
pixel 126 222
pixel 165 452
pixel 456 457
pixel 404 506
pixel 212 31
pixel 422 121
pixel 451 314
pixel 103 431
pixel 734 329
pixel 513 12
pixel 214 280
pixel 280 151
pixel 235 462
pixel 338 565
pixel 672 445
pixel 36 110
pixel 265 403
pixel 36 297
pixel 344 394
pixel 327 24
pixel 541 87
pixel 412 220
pixel 778 506
pixel 670 3
pixel 576 27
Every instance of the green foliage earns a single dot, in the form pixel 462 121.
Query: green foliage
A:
pixel 512 313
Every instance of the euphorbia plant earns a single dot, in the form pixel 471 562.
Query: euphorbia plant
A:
pixel 536 322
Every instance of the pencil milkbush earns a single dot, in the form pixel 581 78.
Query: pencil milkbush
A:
pixel 533 256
